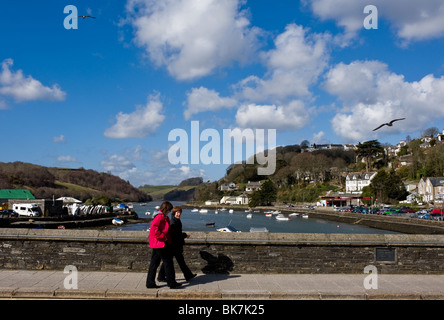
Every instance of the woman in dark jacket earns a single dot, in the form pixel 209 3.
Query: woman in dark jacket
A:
pixel 177 242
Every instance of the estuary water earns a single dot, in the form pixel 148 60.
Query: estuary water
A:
pixel 196 221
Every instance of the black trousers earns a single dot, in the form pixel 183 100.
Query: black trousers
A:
pixel 165 255
pixel 178 254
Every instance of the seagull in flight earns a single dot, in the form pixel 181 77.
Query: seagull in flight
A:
pixel 388 124
pixel 86 17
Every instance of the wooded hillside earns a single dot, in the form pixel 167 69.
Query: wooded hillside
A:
pixel 46 182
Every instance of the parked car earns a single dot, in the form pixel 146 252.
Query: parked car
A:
pixel 425 216
pixel 8 213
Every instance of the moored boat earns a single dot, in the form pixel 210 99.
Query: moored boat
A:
pixel 281 217
pixel 117 222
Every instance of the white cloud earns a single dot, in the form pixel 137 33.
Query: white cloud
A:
pixel 25 88
pixel 59 139
pixel 117 163
pixel 192 38
pixel 293 66
pixel 203 99
pixel 65 159
pixel 357 81
pixel 3 105
pixel 318 138
pixel 413 20
pixel 160 176
pixel 371 95
pixel 140 123
pixel 291 116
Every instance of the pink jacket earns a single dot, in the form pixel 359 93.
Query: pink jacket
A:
pixel 159 233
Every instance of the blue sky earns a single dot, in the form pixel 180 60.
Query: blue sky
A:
pixel 106 95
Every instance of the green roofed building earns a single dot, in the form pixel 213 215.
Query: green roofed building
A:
pixel 6 194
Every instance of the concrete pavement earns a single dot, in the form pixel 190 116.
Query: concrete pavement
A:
pixel 44 284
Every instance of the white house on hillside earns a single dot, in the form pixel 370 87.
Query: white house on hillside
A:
pixel 354 182
pixel 253 186
pixel 242 199
pixel 431 189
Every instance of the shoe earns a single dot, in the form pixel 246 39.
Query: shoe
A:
pixel 152 286
pixel 176 285
pixel 191 277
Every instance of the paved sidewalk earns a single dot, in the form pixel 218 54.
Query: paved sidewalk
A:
pixel 17 284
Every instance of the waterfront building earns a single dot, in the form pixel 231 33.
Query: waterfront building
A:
pixel 354 182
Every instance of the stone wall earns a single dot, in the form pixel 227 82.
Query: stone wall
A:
pixel 211 252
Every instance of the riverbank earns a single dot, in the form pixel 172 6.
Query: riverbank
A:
pixel 70 222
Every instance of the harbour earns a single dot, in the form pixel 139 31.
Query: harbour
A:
pixel 245 220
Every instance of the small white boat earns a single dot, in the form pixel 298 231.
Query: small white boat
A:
pixel 223 209
pixel 305 215
pixel 216 211
pixel 203 210
pixel 281 217
pixel 228 229
pixel 147 213
pixel 249 216
pixel 195 210
pixel 157 207
pixel 268 215
pixel 276 212
pixel 294 214
pixel 231 211
pixel 117 222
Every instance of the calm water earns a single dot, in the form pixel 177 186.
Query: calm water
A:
pixel 195 221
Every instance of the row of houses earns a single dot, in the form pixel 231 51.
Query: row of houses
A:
pixel 428 189
pixel 242 199
pixel 249 188
pixel 426 142
pixel 330 146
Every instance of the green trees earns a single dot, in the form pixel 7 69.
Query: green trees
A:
pixel 368 150
pixel 424 162
pixel 386 186
pixel 264 196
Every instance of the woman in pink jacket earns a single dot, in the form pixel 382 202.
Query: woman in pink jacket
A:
pixel 160 241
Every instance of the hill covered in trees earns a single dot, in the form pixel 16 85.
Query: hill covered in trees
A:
pixel 299 177
pixel 183 192
pixel 304 176
pixel 83 184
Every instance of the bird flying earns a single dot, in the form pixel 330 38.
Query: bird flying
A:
pixel 388 123
pixel 86 17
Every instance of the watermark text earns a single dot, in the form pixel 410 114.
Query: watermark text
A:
pixel 188 150
pixel 371 21
pixel 371 281
pixel 71 280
